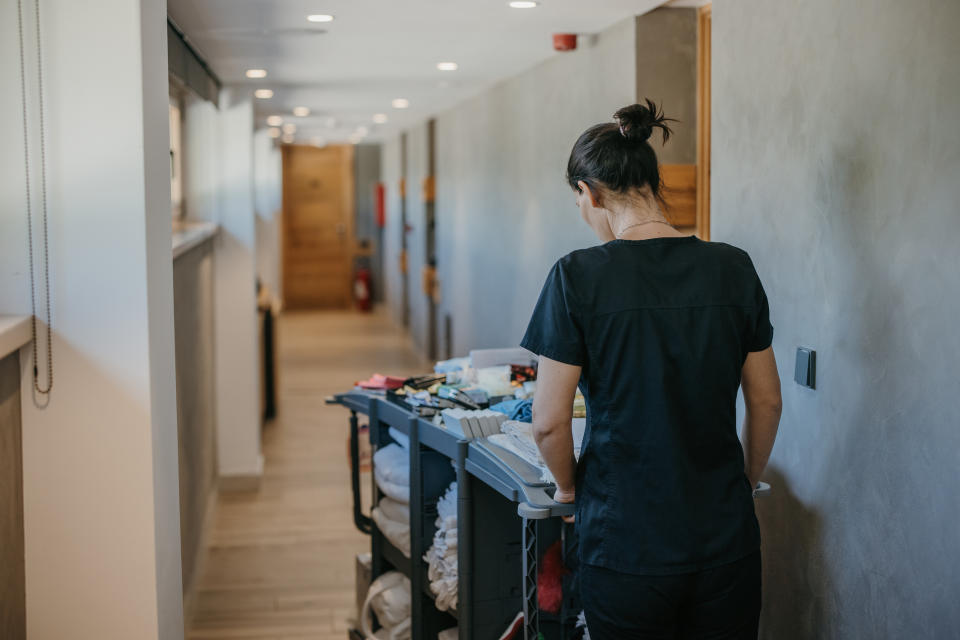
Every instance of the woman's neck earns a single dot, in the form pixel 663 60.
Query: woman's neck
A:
pixel 640 219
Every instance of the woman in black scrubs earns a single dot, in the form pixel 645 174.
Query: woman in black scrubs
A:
pixel 659 330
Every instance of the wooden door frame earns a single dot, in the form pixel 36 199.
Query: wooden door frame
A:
pixel 704 29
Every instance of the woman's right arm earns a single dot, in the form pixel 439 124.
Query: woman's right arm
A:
pixel 761 395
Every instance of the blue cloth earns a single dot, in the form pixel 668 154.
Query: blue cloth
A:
pixel 521 410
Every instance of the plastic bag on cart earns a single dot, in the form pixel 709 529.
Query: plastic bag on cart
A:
pixel 391 470
pixel 393 521
pixel 389 599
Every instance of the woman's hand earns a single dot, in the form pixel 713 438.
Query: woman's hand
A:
pixel 566 496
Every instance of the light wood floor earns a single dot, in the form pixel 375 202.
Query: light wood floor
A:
pixel 280 562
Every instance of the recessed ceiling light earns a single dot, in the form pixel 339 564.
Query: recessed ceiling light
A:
pixel 447 66
pixel 400 103
pixel 320 17
pixel 289 128
pixel 362 131
pixel 263 94
pixel 256 73
pixel 274 132
pixel 274 121
pixel 379 118
pixel 288 138
pixel 523 4
pixel 301 112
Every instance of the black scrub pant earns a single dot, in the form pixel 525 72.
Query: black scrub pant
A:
pixel 717 604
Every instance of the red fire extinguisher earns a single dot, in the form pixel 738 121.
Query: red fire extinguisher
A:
pixel 361 290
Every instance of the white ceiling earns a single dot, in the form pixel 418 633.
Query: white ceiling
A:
pixel 377 50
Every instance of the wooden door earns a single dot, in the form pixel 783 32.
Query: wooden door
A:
pixel 318 228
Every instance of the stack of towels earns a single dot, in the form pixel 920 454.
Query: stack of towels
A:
pixel 517 437
pixel 391 470
pixel 441 558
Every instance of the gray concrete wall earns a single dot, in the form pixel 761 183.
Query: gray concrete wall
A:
pixel 836 157
pixel 504 210
pixel 196 413
pixel 667 73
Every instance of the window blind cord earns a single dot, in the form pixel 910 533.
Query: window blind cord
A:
pixel 43 192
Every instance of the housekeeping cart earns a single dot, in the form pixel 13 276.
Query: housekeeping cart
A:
pixel 506 519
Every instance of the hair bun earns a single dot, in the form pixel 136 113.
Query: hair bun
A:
pixel 638 121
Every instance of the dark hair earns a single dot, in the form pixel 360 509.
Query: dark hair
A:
pixel 617 156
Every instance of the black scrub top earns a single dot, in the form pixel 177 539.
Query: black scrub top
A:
pixel 661 328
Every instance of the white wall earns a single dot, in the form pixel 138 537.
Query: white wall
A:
pixel 235 319
pixel 201 171
pixel 219 187
pixel 14 274
pixel 268 202
pixel 100 454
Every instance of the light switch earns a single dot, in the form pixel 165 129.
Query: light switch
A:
pixel 805 371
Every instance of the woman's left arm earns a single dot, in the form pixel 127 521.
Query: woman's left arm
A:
pixel 552 420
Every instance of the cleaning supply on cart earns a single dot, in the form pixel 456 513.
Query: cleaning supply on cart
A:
pixel 391 470
pixel 441 557
pixel 389 599
pixel 393 520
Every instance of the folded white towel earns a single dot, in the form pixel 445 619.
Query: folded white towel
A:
pixel 392 524
pixel 391 470
pixel 441 558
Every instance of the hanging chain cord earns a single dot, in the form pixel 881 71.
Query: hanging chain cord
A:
pixel 43 192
